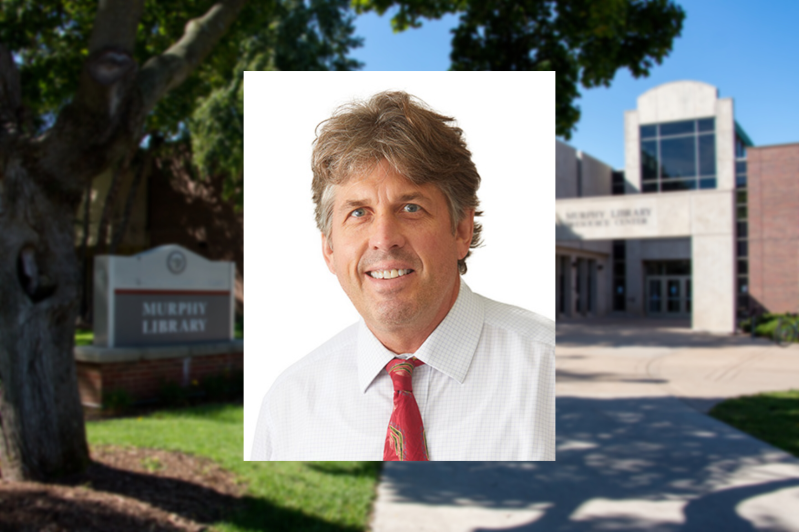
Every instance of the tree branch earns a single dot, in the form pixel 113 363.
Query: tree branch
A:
pixel 10 94
pixel 103 123
pixel 115 25
pixel 109 71
pixel 168 70
pixel 142 174
pixel 100 126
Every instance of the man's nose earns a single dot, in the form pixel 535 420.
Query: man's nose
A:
pixel 386 233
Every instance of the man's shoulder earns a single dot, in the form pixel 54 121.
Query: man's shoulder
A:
pixel 519 321
pixel 333 352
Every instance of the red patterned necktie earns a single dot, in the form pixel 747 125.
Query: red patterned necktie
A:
pixel 405 438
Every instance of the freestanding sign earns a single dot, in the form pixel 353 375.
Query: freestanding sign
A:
pixel 166 295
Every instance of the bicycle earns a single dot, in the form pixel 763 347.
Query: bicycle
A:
pixel 786 330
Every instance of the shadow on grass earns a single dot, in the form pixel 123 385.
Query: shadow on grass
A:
pixel 34 509
pixel 218 411
pixel 358 469
pixel 222 411
pixel 259 514
pixel 39 506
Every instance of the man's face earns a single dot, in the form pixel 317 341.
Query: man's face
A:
pixel 394 251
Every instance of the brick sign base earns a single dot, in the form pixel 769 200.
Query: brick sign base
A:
pixel 146 371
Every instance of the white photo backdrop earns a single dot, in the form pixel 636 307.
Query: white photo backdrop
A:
pixel 294 303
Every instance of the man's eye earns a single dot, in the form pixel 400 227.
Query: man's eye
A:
pixel 411 207
pixel 358 213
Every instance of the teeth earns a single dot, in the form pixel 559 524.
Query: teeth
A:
pixel 388 274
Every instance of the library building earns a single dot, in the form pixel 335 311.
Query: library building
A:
pixel 701 224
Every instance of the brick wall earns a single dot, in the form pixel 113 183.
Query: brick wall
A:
pixel 192 213
pixel 143 379
pixel 772 204
pixel 170 208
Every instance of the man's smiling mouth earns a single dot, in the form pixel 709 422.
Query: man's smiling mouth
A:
pixel 388 274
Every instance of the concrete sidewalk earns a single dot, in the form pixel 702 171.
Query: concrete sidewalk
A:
pixel 634 449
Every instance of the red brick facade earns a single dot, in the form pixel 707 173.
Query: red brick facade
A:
pixel 173 209
pixel 772 212
pixel 192 214
pixel 143 379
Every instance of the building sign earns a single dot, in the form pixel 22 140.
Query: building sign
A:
pixel 161 317
pixel 167 295
pixel 607 218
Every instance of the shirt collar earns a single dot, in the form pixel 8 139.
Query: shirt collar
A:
pixel 449 348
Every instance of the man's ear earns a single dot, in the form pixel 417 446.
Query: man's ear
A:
pixel 464 233
pixel 327 253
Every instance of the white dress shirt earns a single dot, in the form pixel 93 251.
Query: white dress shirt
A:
pixel 486 391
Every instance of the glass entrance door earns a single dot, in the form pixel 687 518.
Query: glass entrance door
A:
pixel 654 296
pixel 669 296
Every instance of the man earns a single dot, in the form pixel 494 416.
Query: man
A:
pixel 432 371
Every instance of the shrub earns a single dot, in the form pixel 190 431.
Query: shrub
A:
pixel 223 385
pixel 765 323
pixel 116 400
pixel 173 394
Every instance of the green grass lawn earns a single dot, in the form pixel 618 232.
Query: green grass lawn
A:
pixel 83 337
pixel 281 496
pixel 771 417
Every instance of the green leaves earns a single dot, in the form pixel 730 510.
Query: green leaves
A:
pixel 313 35
pixel 584 41
pixel 409 12
pixel 50 44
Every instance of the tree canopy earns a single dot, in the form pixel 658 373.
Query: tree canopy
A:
pixel 584 41
pixel 81 84
pixel 50 42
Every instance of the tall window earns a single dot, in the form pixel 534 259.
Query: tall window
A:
pixel 618 182
pixel 742 289
pixel 678 156
pixel 562 286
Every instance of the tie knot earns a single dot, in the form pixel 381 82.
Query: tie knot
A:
pixel 401 371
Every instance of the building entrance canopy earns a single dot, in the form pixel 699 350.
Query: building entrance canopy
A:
pixel 678 214
pixel 706 216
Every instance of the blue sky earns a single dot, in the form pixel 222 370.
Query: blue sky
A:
pixel 748 50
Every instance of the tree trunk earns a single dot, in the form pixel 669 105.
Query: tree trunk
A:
pixel 142 172
pixel 101 245
pixel 43 433
pixel 40 410
pixel 83 313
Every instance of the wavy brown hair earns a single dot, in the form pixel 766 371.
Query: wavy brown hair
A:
pixel 417 142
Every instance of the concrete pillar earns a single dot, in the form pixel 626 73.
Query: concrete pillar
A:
pixel 583 272
pixel 572 276
pixel 713 290
pixel 591 280
pixel 633 167
pixel 713 263
pixel 605 285
pixel 634 281
pixel 558 284
pixel 724 144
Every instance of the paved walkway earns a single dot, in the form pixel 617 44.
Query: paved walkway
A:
pixel 634 449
